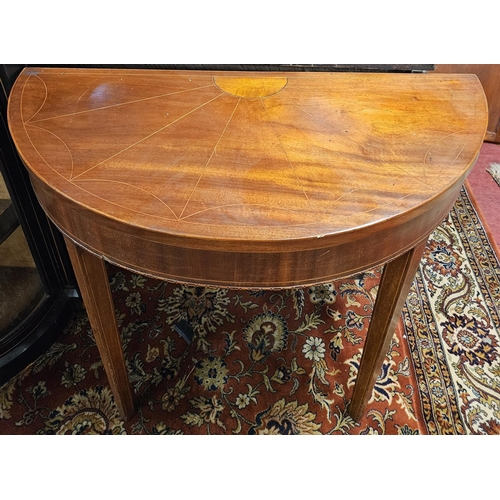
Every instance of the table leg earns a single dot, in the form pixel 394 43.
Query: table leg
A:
pixel 92 278
pixel 394 286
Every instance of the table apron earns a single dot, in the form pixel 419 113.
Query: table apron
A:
pixel 334 257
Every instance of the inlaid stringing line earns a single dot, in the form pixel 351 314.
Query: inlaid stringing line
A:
pixel 428 152
pixel 67 147
pixel 389 203
pixel 162 217
pixel 119 104
pixel 132 186
pixel 85 190
pixel 29 138
pixel 469 132
pixel 41 105
pixel 416 177
pixel 284 150
pixel 333 202
pixel 246 205
pixel 318 120
pixel 150 135
pixel 211 156
pixel 58 173
pixel 182 279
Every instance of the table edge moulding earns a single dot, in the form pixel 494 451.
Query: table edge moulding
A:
pixel 246 180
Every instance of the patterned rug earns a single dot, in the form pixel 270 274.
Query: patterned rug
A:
pixel 494 171
pixel 283 362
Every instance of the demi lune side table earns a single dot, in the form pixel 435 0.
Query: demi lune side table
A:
pixel 246 180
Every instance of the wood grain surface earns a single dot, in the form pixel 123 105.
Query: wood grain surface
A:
pixel 304 165
pixel 248 180
pixel 489 76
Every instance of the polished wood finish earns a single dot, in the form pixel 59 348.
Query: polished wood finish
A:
pixel 489 76
pixel 394 286
pixel 247 180
pixel 92 279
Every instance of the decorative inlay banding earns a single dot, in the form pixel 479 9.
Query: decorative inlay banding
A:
pixel 250 87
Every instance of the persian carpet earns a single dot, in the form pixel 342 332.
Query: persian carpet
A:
pixel 494 171
pixel 284 362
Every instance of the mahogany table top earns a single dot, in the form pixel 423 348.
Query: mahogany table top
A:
pixel 246 156
pixel 246 179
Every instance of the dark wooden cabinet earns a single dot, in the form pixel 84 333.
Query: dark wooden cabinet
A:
pixel 38 286
pixel 489 76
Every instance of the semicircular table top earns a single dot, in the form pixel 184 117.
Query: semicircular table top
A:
pixel 254 157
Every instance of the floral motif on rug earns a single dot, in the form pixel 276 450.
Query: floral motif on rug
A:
pixel 266 362
pixel 261 362
pixel 451 321
pixel 283 362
